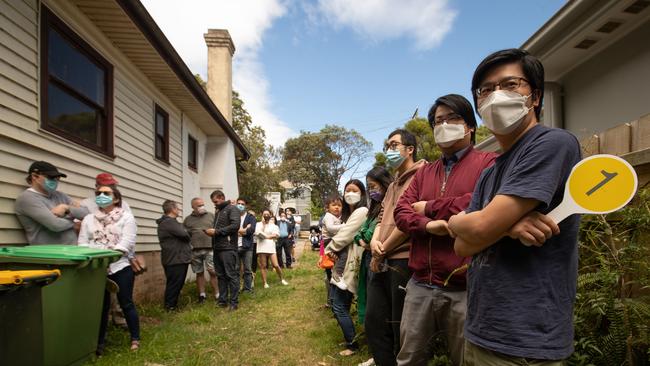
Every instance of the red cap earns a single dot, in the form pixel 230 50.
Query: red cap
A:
pixel 105 179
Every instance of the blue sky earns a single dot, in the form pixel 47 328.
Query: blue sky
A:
pixel 362 64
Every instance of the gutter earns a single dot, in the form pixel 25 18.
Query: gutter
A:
pixel 143 20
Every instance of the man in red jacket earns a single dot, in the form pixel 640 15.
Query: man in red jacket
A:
pixel 436 295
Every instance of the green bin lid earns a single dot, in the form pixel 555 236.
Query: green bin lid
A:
pixel 54 254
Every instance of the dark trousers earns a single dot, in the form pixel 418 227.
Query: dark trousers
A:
pixel 226 265
pixel 341 302
pixel 246 261
pixel 384 311
pixel 124 279
pixel 175 275
pixel 284 244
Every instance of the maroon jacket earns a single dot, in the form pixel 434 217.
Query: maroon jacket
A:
pixel 432 257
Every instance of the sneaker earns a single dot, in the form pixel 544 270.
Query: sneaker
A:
pixel 266 285
pixel 135 345
pixel 370 362
pixel 347 352
pixel 284 282
pixel 202 299
pixel 233 308
pixel 222 304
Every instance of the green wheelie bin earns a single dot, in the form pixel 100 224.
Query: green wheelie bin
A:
pixel 72 306
pixel 21 333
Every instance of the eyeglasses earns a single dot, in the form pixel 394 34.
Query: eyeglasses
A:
pixel 511 83
pixel 97 193
pixel 453 119
pixel 392 146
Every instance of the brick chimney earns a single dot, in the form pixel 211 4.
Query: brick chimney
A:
pixel 220 52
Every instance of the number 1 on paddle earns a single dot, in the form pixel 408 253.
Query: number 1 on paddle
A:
pixel 608 177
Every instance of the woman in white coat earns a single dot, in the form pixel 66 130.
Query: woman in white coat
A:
pixel 112 227
pixel 266 231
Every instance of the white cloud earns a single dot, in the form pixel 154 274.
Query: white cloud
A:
pixel 425 21
pixel 247 21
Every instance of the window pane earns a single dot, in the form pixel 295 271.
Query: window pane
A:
pixel 160 124
pixel 191 151
pixel 68 64
pixel 72 116
pixel 159 149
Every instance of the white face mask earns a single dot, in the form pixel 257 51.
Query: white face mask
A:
pixel 201 209
pixel 503 111
pixel 352 198
pixel 447 134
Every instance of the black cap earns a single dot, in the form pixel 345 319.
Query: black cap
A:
pixel 45 168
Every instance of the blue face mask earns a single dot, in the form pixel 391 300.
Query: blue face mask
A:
pixel 394 158
pixel 241 207
pixel 103 200
pixel 51 184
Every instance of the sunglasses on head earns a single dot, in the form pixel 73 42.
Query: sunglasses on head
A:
pixel 97 193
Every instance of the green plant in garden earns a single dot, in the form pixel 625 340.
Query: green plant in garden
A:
pixel 612 308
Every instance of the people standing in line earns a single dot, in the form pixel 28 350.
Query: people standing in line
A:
pixel 175 252
pixel 377 180
pixel 111 227
pixel 47 215
pixel 354 214
pixel 522 279
pixel 390 252
pixel 436 295
pixel 266 232
pixel 285 240
pixel 102 179
pixel 224 244
pixel 245 244
pixel 202 256
pixel 331 224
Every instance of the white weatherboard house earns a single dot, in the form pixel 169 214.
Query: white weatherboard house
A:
pixel 95 86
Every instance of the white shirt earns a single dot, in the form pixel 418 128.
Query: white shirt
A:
pixel 240 240
pixel 127 228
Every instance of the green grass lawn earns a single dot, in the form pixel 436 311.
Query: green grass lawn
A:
pixel 282 325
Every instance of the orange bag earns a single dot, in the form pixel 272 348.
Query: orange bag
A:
pixel 325 262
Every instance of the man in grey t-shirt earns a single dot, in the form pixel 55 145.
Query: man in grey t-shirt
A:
pixel 46 214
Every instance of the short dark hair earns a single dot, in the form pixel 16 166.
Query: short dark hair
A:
pixel 459 104
pixel 408 139
pixel 531 65
pixel 331 199
pixel 242 199
pixel 168 206
pixel 218 194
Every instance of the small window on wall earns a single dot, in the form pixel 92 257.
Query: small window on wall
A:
pixel 192 153
pixel 162 135
pixel 76 87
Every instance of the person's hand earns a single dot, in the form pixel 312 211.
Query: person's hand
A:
pixel 363 244
pixel 533 229
pixel 437 227
pixel 209 232
pixel 375 263
pixel 241 232
pixel 138 268
pixel 376 248
pixel 454 217
pixel 60 210
pixel 76 225
pixel 419 207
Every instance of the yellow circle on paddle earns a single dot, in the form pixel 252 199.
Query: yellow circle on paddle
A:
pixel 602 183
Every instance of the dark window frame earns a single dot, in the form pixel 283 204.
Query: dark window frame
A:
pixel 192 153
pixel 50 20
pixel 165 139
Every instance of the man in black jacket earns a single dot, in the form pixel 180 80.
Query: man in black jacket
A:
pixel 224 244
pixel 175 253
pixel 245 244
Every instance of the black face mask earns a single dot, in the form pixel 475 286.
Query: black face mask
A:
pixel 267 218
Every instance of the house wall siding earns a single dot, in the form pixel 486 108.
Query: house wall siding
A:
pixel 618 93
pixel 144 181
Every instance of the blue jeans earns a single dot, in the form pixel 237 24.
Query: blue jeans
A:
pixel 341 302
pixel 124 279
pixel 246 261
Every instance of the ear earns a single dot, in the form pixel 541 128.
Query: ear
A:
pixel 535 98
